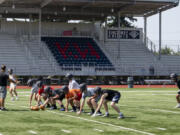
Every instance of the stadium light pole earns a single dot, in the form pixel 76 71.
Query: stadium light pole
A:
pixel 160 33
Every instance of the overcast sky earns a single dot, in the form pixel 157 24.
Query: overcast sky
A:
pixel 170 26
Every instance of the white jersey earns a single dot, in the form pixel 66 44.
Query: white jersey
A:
pixel 12 84
pixel 73 85
pixel 34 88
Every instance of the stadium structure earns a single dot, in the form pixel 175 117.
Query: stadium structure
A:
pixel 47 43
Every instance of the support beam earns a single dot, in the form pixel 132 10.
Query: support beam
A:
pixel 45 3
pixel 145 31
pixel 160 33
pixel 119 21
pixel 40 18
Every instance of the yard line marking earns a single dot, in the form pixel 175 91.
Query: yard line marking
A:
pixel 161 128
pixel 94 121
pixel 1 134
pixel 102 123
pixel 151 91
pixel 95 129
pixel 23 95
pixel 32 132
pixel 160 110
pixel 66 131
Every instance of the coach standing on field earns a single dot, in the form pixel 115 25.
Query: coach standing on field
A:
pixel 3 84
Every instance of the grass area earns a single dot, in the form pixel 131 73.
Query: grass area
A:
pixel 149 110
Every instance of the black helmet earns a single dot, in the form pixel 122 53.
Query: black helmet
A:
pixel 10 71
pixel 69 76
pixel 30 82
pixel 97 90
pixel 47 90
pixel 173 76
pixel 83 87
pixel 65 89
pixel 39 84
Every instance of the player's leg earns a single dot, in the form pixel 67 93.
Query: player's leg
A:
pixel 61 105
pixel 90 106
pixel 53 103
pixel 15 92
pixel 106 108
pixel 72 105
pixel 95 105
pixel 11 93
pixel 178 99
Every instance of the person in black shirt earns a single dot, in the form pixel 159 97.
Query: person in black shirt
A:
pixel 106 96
pixel 3 86
pixel 174 77
pixel 55 95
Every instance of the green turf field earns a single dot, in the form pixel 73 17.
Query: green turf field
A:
pixel 147 112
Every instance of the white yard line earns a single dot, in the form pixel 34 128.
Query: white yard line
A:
pixel 32 132
pixel 160 110
pixel 1 134
pixel 161 128
pixel 66 131
pixel 99 130
pixel 103 123
pixel 149 91
pixel 94 121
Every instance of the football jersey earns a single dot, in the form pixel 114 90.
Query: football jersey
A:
pixel 111 93
pixel 73 85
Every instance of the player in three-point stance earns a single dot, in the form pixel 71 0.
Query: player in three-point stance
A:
pixel 92 99
pixel 106 96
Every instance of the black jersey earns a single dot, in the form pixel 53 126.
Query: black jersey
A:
pixel 3 79
pixel 58 92
pixel 111 94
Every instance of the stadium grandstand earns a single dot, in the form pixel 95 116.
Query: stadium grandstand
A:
pixel 40 37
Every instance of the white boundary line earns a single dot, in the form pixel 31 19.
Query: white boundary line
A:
pixel 94 121
pixel 66 131
pixel 1 134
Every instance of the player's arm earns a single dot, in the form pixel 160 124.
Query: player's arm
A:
pixel 30 100
pixel 55 97
pixel 101 102
pixel 67 104
pixel 46 101
pixel 81 106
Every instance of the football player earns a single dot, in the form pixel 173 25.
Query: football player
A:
pixel 55 95
pixel 108 95
pixel 174 77
pixel 92 101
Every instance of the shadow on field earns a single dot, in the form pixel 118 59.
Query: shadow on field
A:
pixel 17 110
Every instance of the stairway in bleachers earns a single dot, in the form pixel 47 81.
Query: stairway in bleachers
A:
pixel 12 55
pixel 77 52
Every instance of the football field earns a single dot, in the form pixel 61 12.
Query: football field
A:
pixel 148 111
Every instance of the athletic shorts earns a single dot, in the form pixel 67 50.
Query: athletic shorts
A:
pixel 97 99
pixel 12 86
pixel 79 96
pixel 179 92
pixel 3 92
pixel 116 98
pixel 61 97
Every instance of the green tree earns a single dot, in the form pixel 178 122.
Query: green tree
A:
pixel 124 21
pixel 167 51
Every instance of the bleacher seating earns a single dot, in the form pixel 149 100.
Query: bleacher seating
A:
pixel 76 52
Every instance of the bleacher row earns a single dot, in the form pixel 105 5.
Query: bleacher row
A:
pixel 72 53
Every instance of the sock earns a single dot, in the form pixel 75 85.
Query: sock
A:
pixel 74 108
pixel 99 111
pixel 107 113
pixel 120 113
pixel 62 106
pixel 92 110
